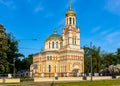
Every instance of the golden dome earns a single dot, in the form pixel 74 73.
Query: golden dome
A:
pixel 70 12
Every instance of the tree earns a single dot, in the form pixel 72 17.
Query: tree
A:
pixel 96 59
pixel 3 49
pixel 118 55
pixel 12 51
pixel 86 59
pixel 109 59
pixel 27 62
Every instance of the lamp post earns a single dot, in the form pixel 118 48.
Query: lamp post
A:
pixel 91 58
pixel 14 67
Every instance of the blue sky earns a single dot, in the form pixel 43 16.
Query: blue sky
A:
pixel 99 21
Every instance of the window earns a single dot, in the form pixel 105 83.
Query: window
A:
pixel 52 44
pixel 49 68
pixel 73 41
pixel 56 44
pixel 49 44
pixel 35 66
pixel 60 44
pixel 70 20
pixel 73 21
pixel 47 57
pixel 50 58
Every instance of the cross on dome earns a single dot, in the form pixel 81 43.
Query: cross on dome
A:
pixel 70 6
pixel 55 31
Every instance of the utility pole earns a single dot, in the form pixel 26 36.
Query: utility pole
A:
pixel 91 58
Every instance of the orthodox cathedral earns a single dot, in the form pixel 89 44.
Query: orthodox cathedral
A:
pixel 62 55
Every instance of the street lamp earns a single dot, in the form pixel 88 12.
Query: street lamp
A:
pixel 91 58
pixel 14 67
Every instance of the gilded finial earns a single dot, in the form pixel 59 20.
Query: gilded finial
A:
pixel 55 31
pixel 70 6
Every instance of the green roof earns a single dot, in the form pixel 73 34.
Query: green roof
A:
pixel 54 37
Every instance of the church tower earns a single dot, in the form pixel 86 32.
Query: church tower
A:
pixel 71 33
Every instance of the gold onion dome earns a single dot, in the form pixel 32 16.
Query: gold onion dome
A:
pixel 54 36
pixel 70 12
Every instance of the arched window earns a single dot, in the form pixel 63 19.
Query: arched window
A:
pixel 75 40
pixel 52 44
pixel 56 44
pixel 60 44
pixel 50 58
pixel 73 21
pixel 35 66
pixel 49 44
pixel 49 67
pixel 70 20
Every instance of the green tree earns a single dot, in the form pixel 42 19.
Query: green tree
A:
pixel 118 56
pixel 86 59
pixel 96 59
pixel 3 49
pixel 27 62
pixel 109 59
pixel 12 51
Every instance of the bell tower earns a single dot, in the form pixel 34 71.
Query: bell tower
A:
pixel 71 17
pixel 71 33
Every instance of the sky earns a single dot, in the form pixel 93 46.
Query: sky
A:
pixel 99 22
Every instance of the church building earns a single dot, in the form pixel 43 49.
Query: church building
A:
pixel 62 55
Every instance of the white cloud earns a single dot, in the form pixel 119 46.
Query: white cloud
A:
pixel 38 8
pixel 61 22
pixel 94 30
pixel 8 3
pixel 108 31
pixel 113 37
pixel 35 6
pixel 104 32
pixel 113 6
pixel 49 15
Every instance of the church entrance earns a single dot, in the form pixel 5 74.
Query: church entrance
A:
pixel 75 72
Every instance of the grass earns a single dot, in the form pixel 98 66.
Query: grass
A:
pixel 93 83
pixel 81 83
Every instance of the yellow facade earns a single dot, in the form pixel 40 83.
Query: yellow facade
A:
pixel 62 55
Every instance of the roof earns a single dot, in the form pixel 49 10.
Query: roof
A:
pixel 54 36
pixel 70 12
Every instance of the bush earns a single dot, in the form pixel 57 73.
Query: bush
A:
pixel 26 79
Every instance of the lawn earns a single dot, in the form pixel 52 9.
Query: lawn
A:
pixel 81 83
pixel 93 83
